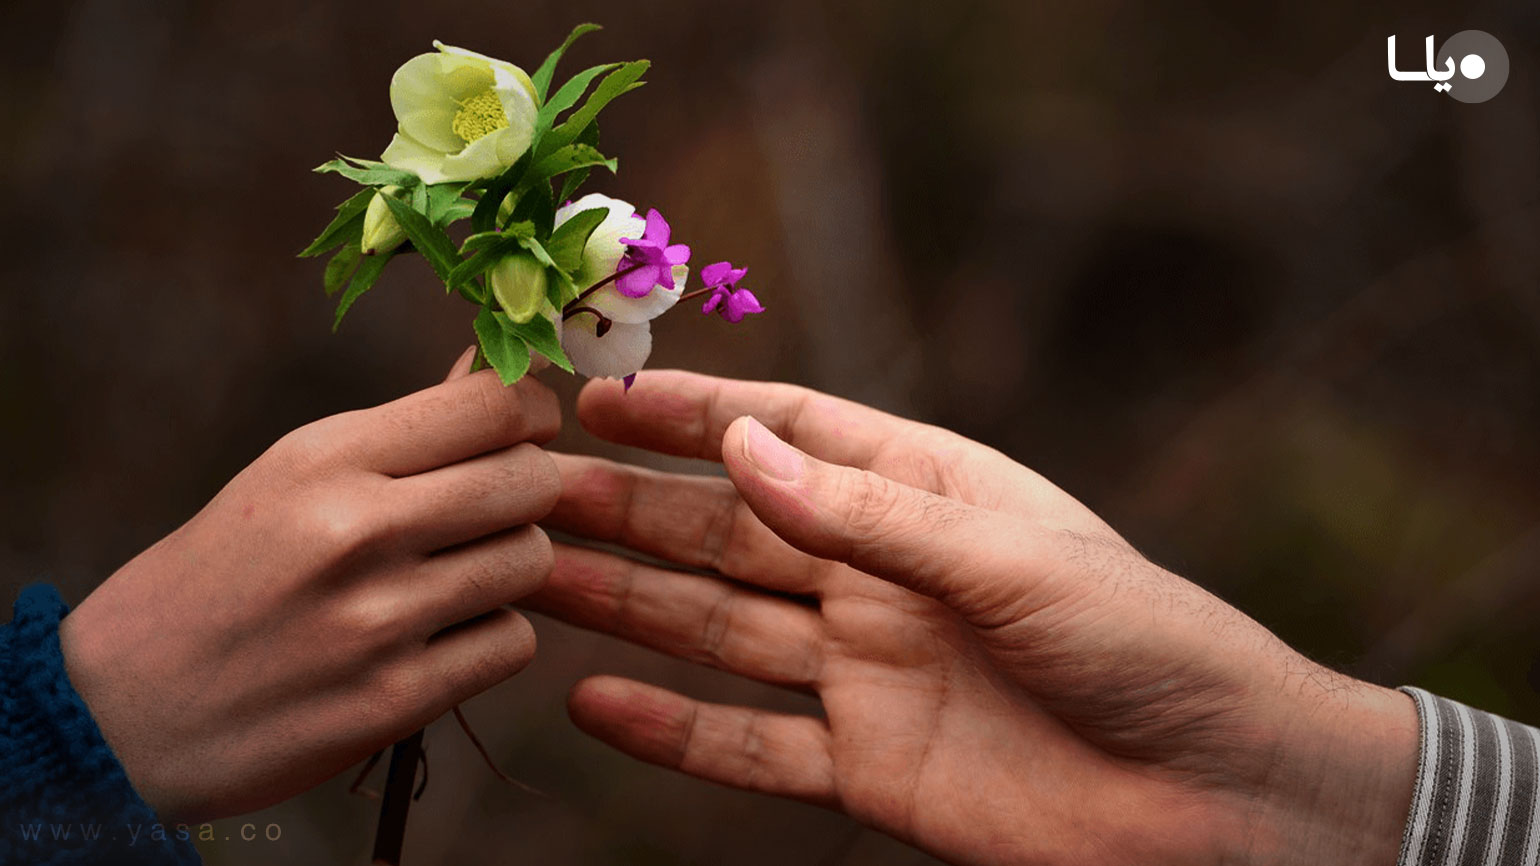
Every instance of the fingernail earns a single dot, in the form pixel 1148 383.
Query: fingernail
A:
pixel 773 457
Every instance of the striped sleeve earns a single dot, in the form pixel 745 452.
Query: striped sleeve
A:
pixel 1477 800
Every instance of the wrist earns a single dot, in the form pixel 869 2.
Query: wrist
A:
pixel 1340 788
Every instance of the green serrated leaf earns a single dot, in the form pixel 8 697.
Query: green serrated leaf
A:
pixel 504 350
pixel 484 217
pixel 567 96
pixel 573 156
pixel 444 199
pixel 348 213
pixel 457 211
pixel 363 280
pixel 536 206
pixel 547 70
pixel 569 239
pixel 481 240
pixel 369 173
pixel 539 334
pixel 538 250
pixel 478 263
pixel 622 80
pixel 341 267
pixel 428 238
pixel 571 183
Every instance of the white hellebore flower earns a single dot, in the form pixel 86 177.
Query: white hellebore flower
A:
pixel 460 115
pixel 624 347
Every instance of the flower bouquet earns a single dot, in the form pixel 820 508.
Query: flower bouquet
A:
pixel 575 280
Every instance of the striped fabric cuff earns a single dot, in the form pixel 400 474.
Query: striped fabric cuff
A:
pixel 1477 800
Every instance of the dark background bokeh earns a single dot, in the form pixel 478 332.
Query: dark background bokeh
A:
pixel 1203 263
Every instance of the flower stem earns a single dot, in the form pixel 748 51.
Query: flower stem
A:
pixel 695 294
pixel 391 833
pixel 599 285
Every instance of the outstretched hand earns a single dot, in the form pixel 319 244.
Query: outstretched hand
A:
pixel 1003 678
pixel 343 590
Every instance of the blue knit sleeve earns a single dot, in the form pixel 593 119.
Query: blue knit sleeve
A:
pixel 64 797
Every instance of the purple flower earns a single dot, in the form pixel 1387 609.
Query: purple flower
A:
pixel 734 303
pixel 651 257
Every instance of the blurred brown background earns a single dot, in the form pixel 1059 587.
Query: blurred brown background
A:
pixel 1203 263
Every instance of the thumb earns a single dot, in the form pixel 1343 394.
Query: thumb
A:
pixel 462 366
pixel 972 560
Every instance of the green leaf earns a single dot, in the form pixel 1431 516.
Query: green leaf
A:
pixel 620 81
pixel 456 211
pixel 504 350
pixel 484 217
pixel 341 267
pixel 536 206
pixel 428 238
pixel 481 240
pixel 569 186
pixel 573 156
pixel 567 242
pixel 538 250
pixel 543 75
pixel 420 199
pixel 348 213
pixel 567 96
pixel 478 264
pixel 369 172
pixel 539 334
pixel 444 201
pixel 363 280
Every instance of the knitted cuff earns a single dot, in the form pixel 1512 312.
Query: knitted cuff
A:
pixel 63 795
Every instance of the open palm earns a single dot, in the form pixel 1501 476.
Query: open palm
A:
pixel 1003 679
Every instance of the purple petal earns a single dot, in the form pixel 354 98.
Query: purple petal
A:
pixel 714 301
pixel 639 282
pixel 740 304
pixel 665 276
pixel 629 381
pixel 657 228
pixel 677 254
pixel 716 274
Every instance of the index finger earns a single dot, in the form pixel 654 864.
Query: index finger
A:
pixel 685 414
pixel 457 420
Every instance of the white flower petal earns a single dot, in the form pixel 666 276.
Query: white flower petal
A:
pixel 619 353
pixel 604 249
pixel 497 65
pixel 425 94
pixel 481 158
pixel 408 154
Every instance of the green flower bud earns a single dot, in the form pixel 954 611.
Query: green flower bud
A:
pixel 381 231
pixel 519 283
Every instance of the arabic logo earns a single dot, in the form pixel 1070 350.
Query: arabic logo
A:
pixel 1482 67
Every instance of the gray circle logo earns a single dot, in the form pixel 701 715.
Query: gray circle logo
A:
pixel 1480 63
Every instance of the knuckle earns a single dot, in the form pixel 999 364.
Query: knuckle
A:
pixel 340 525
pixel 540 557
pixel 369 624
pixel 512 651
pixel 869 502
pixel 534 472
pixel 496 405
pixel 310 446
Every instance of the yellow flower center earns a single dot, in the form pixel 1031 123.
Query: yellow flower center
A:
pixel 478 116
